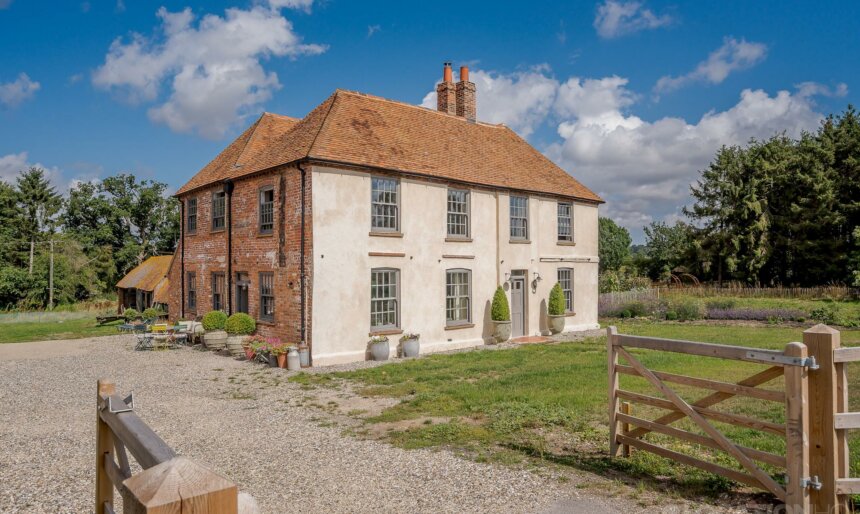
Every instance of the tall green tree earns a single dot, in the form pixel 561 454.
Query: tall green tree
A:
pixel 40 204
pixel 613 244
pixel 668 248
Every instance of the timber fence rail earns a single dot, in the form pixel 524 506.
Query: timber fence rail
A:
pixel 168 483
pixel 800 293
pixel 815 397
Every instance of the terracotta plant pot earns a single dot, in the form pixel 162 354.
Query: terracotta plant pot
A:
pixel 249 353
pixel 501 331
pixel 282 360
pixel 556 324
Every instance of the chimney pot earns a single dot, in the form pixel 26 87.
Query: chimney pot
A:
pixel 464 73
pixel 446 73
pixel 446 96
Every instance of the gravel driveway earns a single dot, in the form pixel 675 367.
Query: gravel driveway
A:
pixel 254 432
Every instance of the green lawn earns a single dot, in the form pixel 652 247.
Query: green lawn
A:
pixel 76 327
pixel 540 404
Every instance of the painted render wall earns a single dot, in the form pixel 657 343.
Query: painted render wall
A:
pixel 343 257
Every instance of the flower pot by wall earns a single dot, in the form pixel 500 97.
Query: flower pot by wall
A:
pixel 249 353
pixel 215 340
pixel 501 331
pixel 304 356
pixel 236 345
pixel 380 351
pixel 410 347
pixel 293 360
pixel 282 360
pixel 273 361
pixel 556 324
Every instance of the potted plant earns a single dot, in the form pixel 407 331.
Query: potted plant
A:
pixel 556 309
pixel 215 337
pixel 152 313
pixel 130 314
pixel 238 326
pixel 260 349
pixel 379 349
pixel 251 345
pixel 500 313
pixel 279 351
pixel 409 344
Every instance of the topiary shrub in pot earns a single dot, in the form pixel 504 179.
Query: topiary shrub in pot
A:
pixel 500 314
pixel 130 314
pixel 238 326
pixel 556 309
pixel 151 313
pixel 215 337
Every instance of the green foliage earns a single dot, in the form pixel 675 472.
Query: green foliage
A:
pixel 624 279
pixel 613 244
pixel 151 313
pixel 500 311
pixel 12 282
pixel 667 248
pixel 557 305
pixel 826 314
pixel 130 314
pixel 240 324
pixel 686 309
pixel 721 303
pixel 214 320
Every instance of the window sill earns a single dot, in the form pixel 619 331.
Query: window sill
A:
pixel 520 241
pixel 569 314
pixel 458 239
pixel 265 234
pixel 191 233
pixel 385 332
pixel 266 322
pixel 458 327
pixel 385 234
pixel 565 243
pixel 216 230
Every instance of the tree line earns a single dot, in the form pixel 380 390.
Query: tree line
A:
pixel 98 231
pixel 780 211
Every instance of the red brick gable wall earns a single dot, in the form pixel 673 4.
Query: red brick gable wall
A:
pixel 206 252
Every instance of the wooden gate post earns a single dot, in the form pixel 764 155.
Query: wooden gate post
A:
pixel 828 452
pixel 180 485
pixel 104 445
pixel 612 356
pixel 796 432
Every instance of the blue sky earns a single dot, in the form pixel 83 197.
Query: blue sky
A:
pixel 631 97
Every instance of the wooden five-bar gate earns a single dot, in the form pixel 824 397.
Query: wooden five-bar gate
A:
pixel 815 397
pixel 168 483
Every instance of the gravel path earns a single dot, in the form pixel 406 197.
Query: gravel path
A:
pixel 243 421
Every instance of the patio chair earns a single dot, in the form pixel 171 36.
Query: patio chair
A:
pixel 144 338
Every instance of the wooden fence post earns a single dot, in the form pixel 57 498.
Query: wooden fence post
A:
pixel 104 446
pixel 796 432
pixel 612 356
pixel 180 485
pixel 828 453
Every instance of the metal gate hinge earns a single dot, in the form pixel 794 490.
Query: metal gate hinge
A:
pixel 128 405
pixel 811 363
pixel 811 483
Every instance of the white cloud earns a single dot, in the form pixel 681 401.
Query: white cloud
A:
pixel 732 56
pixel 520 100
pixel 642 168
pixel 12 165
pixel 372 29
pixel 213 71
pixel 17 91
pixel 301 5
pixel 616 18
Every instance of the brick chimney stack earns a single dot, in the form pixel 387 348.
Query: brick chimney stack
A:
pixel 445 95
pixel 465 96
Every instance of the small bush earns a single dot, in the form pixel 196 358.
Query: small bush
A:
pixel 130 314
pixel 687 310
pixel 214 320
pixel 151 313
pixel 825 314
pixel 556 301
pixel 671 316
pixel 240 324
pixel 500 311
pixel 721 303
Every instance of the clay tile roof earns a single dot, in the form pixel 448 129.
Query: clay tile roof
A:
pixel 364 130
pixel 161 294
pixel 147 274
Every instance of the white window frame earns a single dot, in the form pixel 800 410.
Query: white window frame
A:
pixel 376 301
pixel 454 293
pixel 519 213
pixel 565 233
pixel 566 284
pixel 381 208
pixel 459 213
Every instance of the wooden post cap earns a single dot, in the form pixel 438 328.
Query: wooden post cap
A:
pixel 180 485
pixel 821 329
